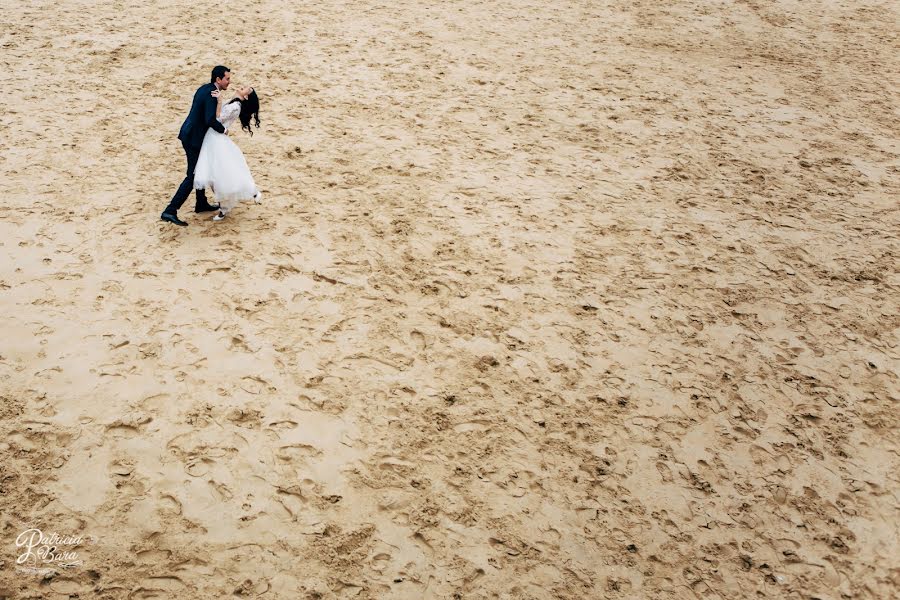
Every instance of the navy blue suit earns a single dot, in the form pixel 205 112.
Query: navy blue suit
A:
pixel 199 120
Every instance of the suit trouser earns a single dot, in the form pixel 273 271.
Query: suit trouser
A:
pixel 184 190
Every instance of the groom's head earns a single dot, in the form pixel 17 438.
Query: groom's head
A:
pixel 221 76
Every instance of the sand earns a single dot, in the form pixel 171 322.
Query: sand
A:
pixel 577 299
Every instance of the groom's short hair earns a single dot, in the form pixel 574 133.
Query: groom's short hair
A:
pixel 218 72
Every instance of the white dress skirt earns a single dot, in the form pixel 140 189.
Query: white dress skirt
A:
pixel 222 167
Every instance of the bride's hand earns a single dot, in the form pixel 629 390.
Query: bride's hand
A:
pixel 217 95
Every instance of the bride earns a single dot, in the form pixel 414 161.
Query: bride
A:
pixel 221 165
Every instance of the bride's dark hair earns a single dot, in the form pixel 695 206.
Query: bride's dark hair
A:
pixel 249 109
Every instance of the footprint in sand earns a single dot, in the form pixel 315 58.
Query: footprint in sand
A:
pixel 297 453
pixel 201 450
pixel 152 588
pixel 664 472
pixel 247 417
pixel 282 425
pixel 418 339
pixel 380 561
pixel 220 490
pixel 168 504
pixel 128 426
pixel 393 462
pixel 69 587
pixel 761 456
pixel 477 425
pixel 550 538
pixel 122 474
pixel 155 403
pixel 153 556
pixel 199 466
pixel 256 385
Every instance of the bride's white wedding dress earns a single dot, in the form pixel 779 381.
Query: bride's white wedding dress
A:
pixel 222 166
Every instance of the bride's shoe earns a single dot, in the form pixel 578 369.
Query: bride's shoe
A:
pixel 258 198
pixel 219 216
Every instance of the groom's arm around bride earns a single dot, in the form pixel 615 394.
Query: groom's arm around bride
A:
pixel 201 117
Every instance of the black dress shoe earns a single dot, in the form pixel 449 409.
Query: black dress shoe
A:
pixel 207 208
pixel 172 219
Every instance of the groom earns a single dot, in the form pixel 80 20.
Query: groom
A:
pixel 201 118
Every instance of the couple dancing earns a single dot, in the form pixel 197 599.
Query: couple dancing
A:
pixel 213 160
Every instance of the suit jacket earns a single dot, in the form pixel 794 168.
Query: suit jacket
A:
pixel 201 117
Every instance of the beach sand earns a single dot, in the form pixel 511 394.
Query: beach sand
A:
pixel 544 300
